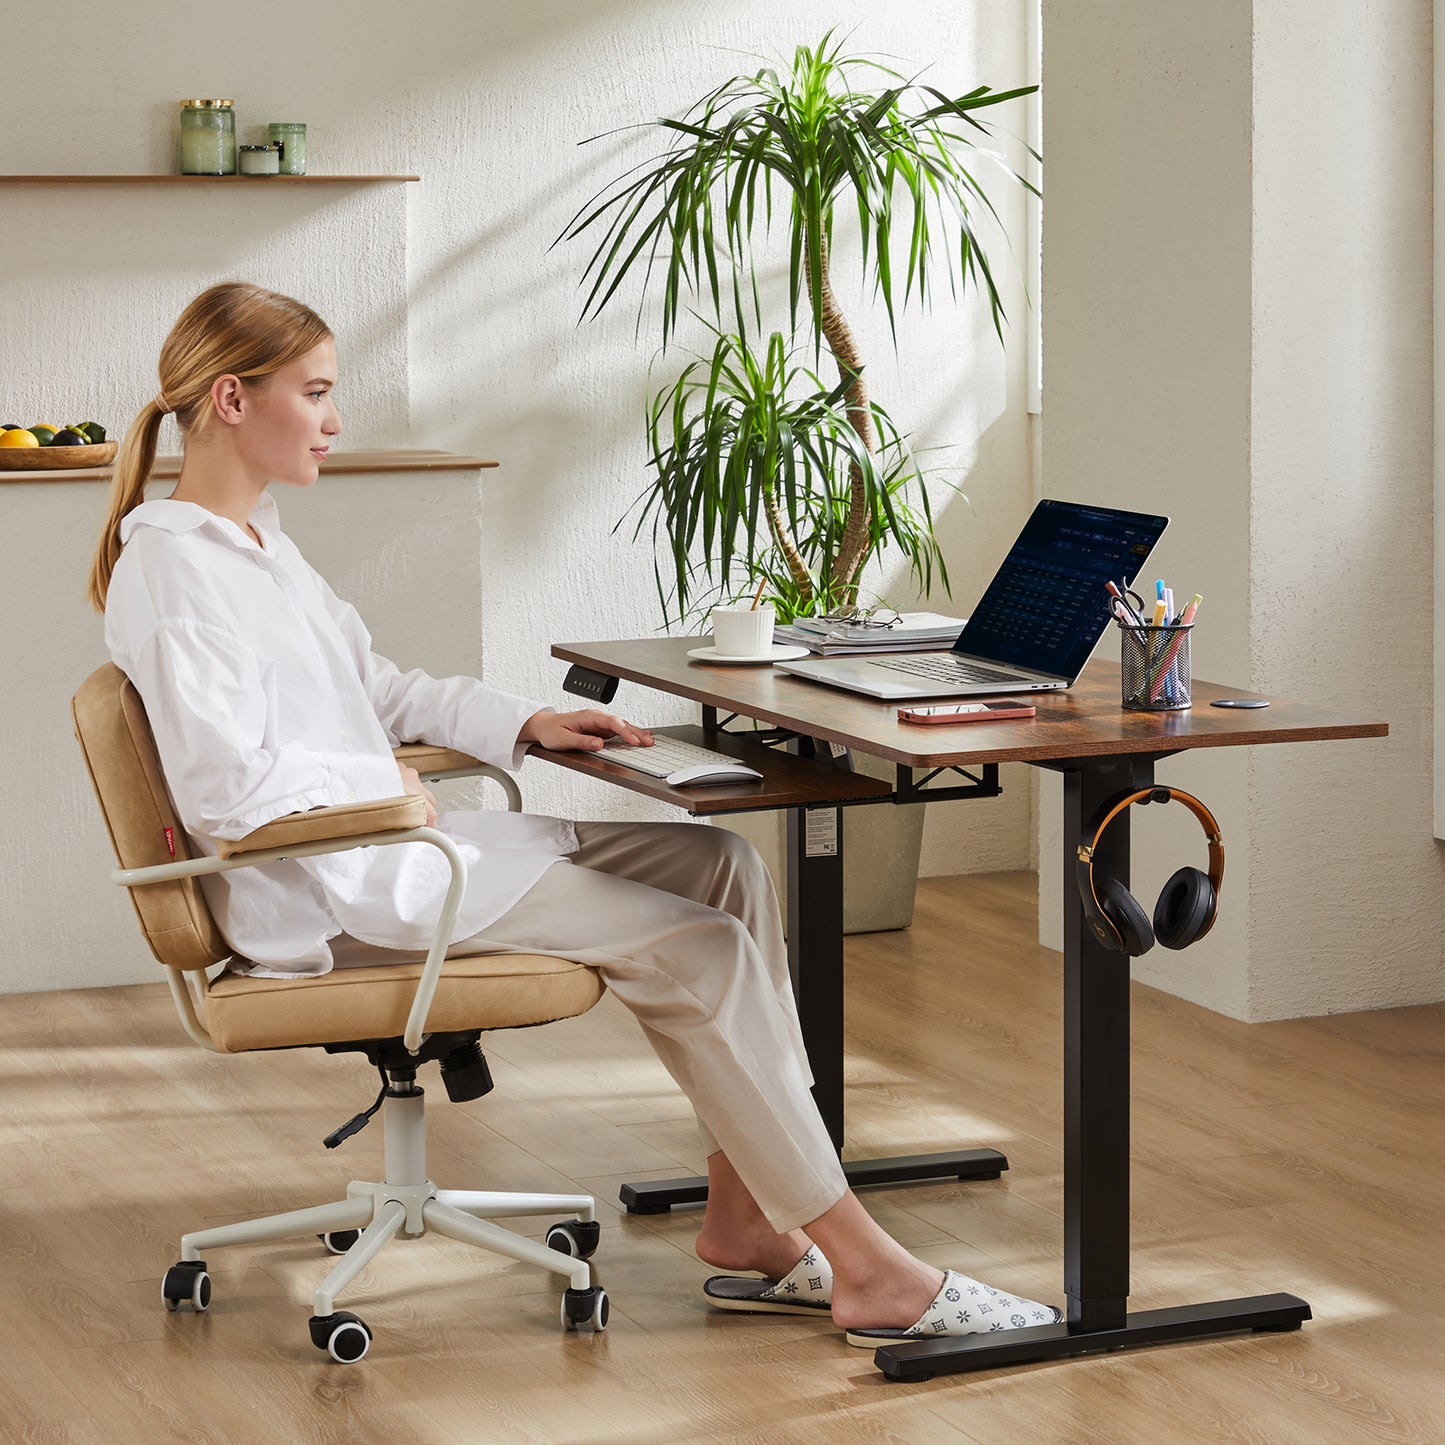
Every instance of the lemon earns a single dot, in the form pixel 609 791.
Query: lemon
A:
pixel 18 437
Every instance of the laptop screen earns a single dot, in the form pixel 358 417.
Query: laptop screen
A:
pixel 1046 606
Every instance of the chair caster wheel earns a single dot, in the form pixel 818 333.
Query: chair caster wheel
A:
pixel 343 1335
pixel 585 1309
pixel 338 1241
pixel 575 1238
pixel 187 1280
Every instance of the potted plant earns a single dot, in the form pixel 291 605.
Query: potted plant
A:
pixel 759 465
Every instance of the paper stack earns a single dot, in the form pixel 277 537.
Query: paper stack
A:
pixel 914 632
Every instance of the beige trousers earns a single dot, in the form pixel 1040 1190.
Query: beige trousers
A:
pixel 682 923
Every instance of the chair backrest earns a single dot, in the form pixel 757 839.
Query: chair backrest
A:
pixel 120 752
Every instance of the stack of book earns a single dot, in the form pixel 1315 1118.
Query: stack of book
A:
pixel 914 632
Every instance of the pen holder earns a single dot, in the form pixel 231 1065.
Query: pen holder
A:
pixel 1154 667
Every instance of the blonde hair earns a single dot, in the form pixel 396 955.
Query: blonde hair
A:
pixel 233 329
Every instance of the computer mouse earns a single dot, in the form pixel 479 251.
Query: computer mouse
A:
pixel 700 773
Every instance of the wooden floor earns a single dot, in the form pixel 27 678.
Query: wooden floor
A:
pixel 1301 1156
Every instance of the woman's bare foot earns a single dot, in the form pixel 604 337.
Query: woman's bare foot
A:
pixel 773 1255
pixel 735 1233
pixel 877 1284
pixel 894 1299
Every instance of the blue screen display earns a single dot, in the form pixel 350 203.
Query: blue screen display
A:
pixel 1046 607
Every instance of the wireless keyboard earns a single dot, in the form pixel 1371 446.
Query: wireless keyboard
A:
pixel 678 763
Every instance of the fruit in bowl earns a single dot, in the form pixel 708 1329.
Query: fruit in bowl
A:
pixel 44 446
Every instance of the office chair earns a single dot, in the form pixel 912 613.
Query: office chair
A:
pixel 399 1015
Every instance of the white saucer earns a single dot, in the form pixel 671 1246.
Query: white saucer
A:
pixel 778 653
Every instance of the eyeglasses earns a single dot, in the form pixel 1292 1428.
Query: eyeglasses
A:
pixel 878 616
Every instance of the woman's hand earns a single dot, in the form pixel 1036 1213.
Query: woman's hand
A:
pixel 583 731
pixel 411 783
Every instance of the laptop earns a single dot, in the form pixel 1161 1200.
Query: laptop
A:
pixel 1036 625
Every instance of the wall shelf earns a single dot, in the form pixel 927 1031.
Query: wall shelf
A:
pixel 151 180
pixel 404 459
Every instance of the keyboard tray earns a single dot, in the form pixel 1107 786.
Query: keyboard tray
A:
pixel 787 782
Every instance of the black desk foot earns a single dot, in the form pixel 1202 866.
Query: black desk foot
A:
pixel 658 1196
pixel 922 1359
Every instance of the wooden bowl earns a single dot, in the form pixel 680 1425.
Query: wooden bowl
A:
pixel 50 459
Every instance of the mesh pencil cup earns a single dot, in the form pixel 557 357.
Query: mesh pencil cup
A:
pixel 1154 667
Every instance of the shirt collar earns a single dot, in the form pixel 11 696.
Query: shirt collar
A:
pixel 172 516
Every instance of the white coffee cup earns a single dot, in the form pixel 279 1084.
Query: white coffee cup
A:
pixel 742 630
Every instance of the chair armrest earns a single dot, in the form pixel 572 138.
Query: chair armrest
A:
pixel 431 760
pixel 433 763
pixel 344 820
pixel 298 847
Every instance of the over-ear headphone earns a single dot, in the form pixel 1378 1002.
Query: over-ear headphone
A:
pixel 1186 908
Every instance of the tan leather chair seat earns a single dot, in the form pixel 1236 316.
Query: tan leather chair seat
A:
pixel 491 991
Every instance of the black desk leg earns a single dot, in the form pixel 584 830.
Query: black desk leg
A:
pixel 815 960
pixel 1096 1147
pixel 815 950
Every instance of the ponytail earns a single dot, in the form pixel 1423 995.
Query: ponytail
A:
pixel 232 328
pixel 132 470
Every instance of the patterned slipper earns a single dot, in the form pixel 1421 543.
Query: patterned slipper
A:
pixel 807 1289
pixel 964 1306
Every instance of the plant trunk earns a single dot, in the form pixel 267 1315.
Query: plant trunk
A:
pixel 853 549
pixel 789 548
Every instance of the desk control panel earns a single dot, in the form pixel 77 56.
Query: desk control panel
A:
pixel 594 686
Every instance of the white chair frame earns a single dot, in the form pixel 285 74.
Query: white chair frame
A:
pixel 406 1200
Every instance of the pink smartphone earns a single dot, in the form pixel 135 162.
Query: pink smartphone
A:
pixel 962 712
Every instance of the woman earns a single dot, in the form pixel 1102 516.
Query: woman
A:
pixel 266 699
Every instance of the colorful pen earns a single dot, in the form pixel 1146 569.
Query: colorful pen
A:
pixel 1156 682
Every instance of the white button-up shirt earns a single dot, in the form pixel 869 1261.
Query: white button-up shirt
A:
pixel 266 699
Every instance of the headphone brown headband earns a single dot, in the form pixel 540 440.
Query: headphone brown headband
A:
pixel 1111 810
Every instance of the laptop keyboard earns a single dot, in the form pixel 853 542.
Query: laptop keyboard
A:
pixel 946 669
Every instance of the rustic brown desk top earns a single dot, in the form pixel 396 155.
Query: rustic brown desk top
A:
pixel 1085 721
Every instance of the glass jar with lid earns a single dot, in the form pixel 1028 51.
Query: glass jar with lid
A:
pixel 290 135
pixel 260 160
pixel 208 138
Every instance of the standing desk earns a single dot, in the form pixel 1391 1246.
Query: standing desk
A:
pixel 1100 750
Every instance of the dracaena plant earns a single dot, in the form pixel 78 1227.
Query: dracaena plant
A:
pixel 756 460
pixel 747 451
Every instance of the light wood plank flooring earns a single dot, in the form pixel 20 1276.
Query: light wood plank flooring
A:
pixel 1303 1156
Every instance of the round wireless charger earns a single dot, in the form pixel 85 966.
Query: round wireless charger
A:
pixel 1239 702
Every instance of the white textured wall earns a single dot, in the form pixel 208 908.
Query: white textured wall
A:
pixel 1146 375
pixel 1237 305
pixel 1438 256
pixel 1341 440
pixel 457 329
